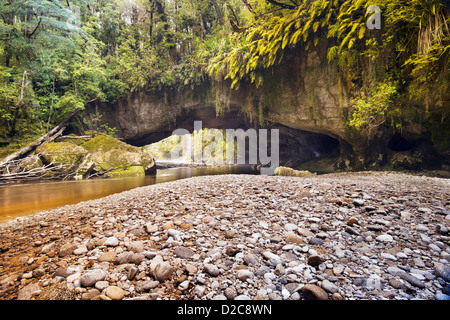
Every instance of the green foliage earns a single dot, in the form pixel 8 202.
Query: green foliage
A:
pixel 56 56
pixel 412 49
pixel 372 110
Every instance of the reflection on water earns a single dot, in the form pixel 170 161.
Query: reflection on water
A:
pixel 22 199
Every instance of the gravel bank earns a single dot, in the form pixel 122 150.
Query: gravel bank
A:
pixel 341 236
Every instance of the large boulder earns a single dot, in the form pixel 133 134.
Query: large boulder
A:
pixel 122 159
pixel 61 153
pixel 99 154
pixel 74 158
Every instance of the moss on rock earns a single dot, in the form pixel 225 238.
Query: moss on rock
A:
pixel 109 153
pixel 99 154
pixel 128 171
pixel 289 172
pixel 62 153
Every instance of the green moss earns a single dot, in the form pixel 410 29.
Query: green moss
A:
pixel 289 172
pixel 110 153
pixel 62 153
pixel 129 171
pixel 106 143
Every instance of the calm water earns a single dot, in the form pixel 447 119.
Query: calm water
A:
pixel 23 199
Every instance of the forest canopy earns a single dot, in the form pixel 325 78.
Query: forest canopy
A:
pixel 58 55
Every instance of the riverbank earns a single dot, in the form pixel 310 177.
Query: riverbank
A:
pixel 368 235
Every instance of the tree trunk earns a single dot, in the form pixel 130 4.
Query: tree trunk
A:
pixel 218 12
pixel 48 137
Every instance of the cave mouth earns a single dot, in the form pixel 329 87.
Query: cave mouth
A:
pixel 307 150
pixel 296 147
pixel 398 143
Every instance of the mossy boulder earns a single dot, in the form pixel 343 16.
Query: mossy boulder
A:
pixel 289 172
pixel 73 157
pixel 99 154
pixel 123 159
pixel 128 171
pixel 62 153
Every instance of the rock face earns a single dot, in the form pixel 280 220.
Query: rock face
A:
pixel 98 154
pixel 305 93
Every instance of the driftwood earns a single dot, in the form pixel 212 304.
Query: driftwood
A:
pixel 47 172
pixel 14 171
pixel 48 137
pixel 72 137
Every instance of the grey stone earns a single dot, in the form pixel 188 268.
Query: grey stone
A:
pixel 443 271
pixel 183 252
pixel 90 278
pixel 329 286
pixel 212 270
pixel 244 274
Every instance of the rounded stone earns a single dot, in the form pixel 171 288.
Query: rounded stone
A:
pixel 292 238
pixel 244 274
pixel 111 242
pixel 314 260
pixel 212 270
pixel 443 271
pixel 313 292
pixel 89 279
pixel 385 238
pixel 115 293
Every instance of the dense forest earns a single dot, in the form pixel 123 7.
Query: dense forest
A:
pixel 58 55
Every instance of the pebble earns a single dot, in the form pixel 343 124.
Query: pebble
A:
pixel 354 236
pixel 90 278
pixel 212 270
pixel 244 274
pixel 183 252
pixel 329 286
pixel 111 242
pixel 385 238
pixel 163 271
pixel 443 271
pixel 115 293
pixel 313 292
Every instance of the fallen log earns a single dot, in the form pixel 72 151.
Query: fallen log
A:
pixel 73 137
pixel 48 172
pixel 48 137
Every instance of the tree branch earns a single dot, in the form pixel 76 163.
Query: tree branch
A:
pixel 35 29
pixel 282 5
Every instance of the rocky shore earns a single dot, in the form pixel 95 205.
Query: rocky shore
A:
pixel 340 236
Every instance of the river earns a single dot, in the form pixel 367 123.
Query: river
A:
pixel 23 199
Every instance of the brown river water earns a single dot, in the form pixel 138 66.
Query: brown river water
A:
pixel 23 199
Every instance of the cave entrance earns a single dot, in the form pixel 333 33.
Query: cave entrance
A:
pixel 298 149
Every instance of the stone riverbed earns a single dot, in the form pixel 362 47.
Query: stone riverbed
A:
pixel 370 235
